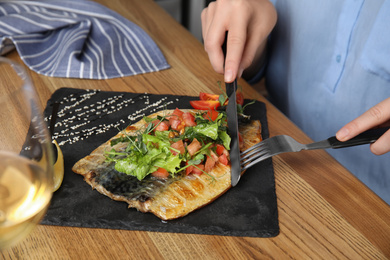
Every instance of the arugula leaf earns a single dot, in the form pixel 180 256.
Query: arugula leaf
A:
pixel 240 109
pixel 196 160
pixel 222 99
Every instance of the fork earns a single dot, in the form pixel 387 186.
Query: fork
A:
pixel 284 144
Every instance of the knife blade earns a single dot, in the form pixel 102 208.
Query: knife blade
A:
pixel 232 120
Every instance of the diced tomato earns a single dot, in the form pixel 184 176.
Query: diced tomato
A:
pixel 174 122
pixel 161 125
pixel 211 115
pixel 175 119
pixel 208 96
pixel 179 145
pixel 205 104
pixel 239 98
pixel 189 119
pixel 198 169
pixel 189 169
pixel 161 173
pixel 193 147
pixel 177 112
pixel 209 165
pixel 221 150
pixel 223 154
pixel 223 159
pixel 195 169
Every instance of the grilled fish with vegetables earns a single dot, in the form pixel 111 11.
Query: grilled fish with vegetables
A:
pixel 169 163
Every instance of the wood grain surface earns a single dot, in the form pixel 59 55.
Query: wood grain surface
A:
pixel 324 211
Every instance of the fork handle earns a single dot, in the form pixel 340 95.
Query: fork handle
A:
pixel 366 137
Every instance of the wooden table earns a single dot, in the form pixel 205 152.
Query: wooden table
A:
pixel 324 211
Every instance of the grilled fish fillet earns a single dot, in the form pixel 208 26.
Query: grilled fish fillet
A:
pixel 167 199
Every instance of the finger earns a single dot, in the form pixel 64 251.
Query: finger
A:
pixel 254 48
pixel 236 42
pixel 203 19
pixel 213 47
pixel 258 32
pixel 382 145
pixel 206 18
pixel 213 40
pixel 373 117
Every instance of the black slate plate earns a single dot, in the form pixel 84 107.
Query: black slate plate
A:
pixel 87 118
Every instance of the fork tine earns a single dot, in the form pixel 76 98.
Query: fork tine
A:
pixel 250 164
pixel 259 149
pixel 256 155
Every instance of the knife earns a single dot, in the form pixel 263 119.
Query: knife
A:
pixel 232 120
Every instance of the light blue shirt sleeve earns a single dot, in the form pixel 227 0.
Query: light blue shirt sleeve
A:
pixel 329 62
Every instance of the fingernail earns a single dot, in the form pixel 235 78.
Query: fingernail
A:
pixel 229 76
pixel 342 134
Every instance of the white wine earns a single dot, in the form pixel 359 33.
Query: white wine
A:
pixel 25 193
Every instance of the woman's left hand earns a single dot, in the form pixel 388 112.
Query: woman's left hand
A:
pixel 378 115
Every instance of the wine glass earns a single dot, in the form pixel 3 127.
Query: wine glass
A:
pixel 26 158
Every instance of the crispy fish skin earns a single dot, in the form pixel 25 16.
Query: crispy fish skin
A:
pixel 167 199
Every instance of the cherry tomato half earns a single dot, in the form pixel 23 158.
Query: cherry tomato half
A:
pixel 208 96
pixel 205 104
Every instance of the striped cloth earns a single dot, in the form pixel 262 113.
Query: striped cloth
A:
pixel 76 39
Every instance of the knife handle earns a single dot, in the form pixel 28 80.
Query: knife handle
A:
pixel 366 137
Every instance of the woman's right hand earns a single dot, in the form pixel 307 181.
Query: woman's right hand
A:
pixel 248 22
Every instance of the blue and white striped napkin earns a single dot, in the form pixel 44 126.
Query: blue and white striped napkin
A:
pixel 76 39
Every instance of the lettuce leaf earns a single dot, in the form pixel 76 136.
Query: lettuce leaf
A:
pixel 225 138
pixel 209 130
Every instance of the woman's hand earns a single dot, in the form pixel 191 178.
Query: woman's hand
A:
pixel 378 115
pixel 248 22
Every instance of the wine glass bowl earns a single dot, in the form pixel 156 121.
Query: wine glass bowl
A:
pixel 26 158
